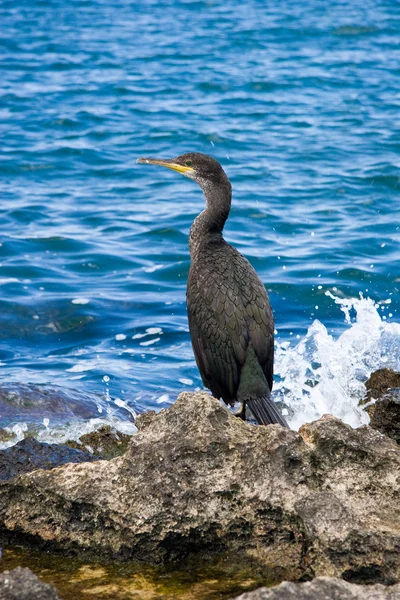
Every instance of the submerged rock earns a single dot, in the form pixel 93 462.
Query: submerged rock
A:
pixel 22 584
pixel 196 480
pixel 33 402
pixel 29 454
pixel 383 387
pixel 324 588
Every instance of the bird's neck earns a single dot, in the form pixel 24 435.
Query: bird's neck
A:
pixel 207 227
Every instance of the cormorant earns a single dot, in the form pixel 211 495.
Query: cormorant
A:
pixel 230 317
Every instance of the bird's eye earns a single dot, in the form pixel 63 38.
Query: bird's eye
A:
pixel 188 163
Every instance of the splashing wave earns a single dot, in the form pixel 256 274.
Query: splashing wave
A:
pixel 325 375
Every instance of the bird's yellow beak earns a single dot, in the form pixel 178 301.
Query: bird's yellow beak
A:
pixel 170 164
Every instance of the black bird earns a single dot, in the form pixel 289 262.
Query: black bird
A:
pixel 230 318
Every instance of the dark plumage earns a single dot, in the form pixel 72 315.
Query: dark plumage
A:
pixel 230 318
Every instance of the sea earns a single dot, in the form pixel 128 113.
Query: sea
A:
pixel 299 101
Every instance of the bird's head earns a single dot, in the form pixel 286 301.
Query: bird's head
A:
pixel 203 169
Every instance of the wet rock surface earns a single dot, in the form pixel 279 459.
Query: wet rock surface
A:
pixel 29 454
pixel 324 588
pixel 196 480
pixel 384 388
pixel 22 584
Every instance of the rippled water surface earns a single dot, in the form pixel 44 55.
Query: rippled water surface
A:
pixel 299 101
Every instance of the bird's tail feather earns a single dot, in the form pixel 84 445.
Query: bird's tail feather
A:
pixel 265 411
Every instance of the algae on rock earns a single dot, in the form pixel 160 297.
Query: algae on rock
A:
pixel 104 442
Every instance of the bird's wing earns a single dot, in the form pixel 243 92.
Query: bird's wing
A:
pixel 260 323
pixel 228 308
pixel 218 330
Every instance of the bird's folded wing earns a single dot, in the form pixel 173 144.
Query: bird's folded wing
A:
pixel 228 308
pixel 219 339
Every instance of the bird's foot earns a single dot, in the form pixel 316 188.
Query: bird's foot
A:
pixel 241 414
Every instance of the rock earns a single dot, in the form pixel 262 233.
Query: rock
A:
pixel 105 442
pixel 324 588
pixel 385 414
pixel 196 480
pixel 29 454
pixel 384 387
pixel 22 584
pixel 379 383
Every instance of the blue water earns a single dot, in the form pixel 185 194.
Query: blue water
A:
pixel 299 101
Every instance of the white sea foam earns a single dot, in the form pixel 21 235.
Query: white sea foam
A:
pixel 81 367
pixel 17 432
pixel 152 268
pixel 150 342
pixel 80 301
pixel 149 331
pixel 120 337
pixel 153 330
pixel 163 398
pixel 74 431
pixel 322 375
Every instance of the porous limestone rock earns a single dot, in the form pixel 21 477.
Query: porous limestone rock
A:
pixel 324 588
pixel 22 584
pixel 196 480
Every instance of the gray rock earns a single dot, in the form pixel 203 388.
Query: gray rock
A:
pixel 324 588
pixel 22 584
pixel 197 480
pixel 29 454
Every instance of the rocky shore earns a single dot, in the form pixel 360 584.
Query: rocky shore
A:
pixel 195 481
